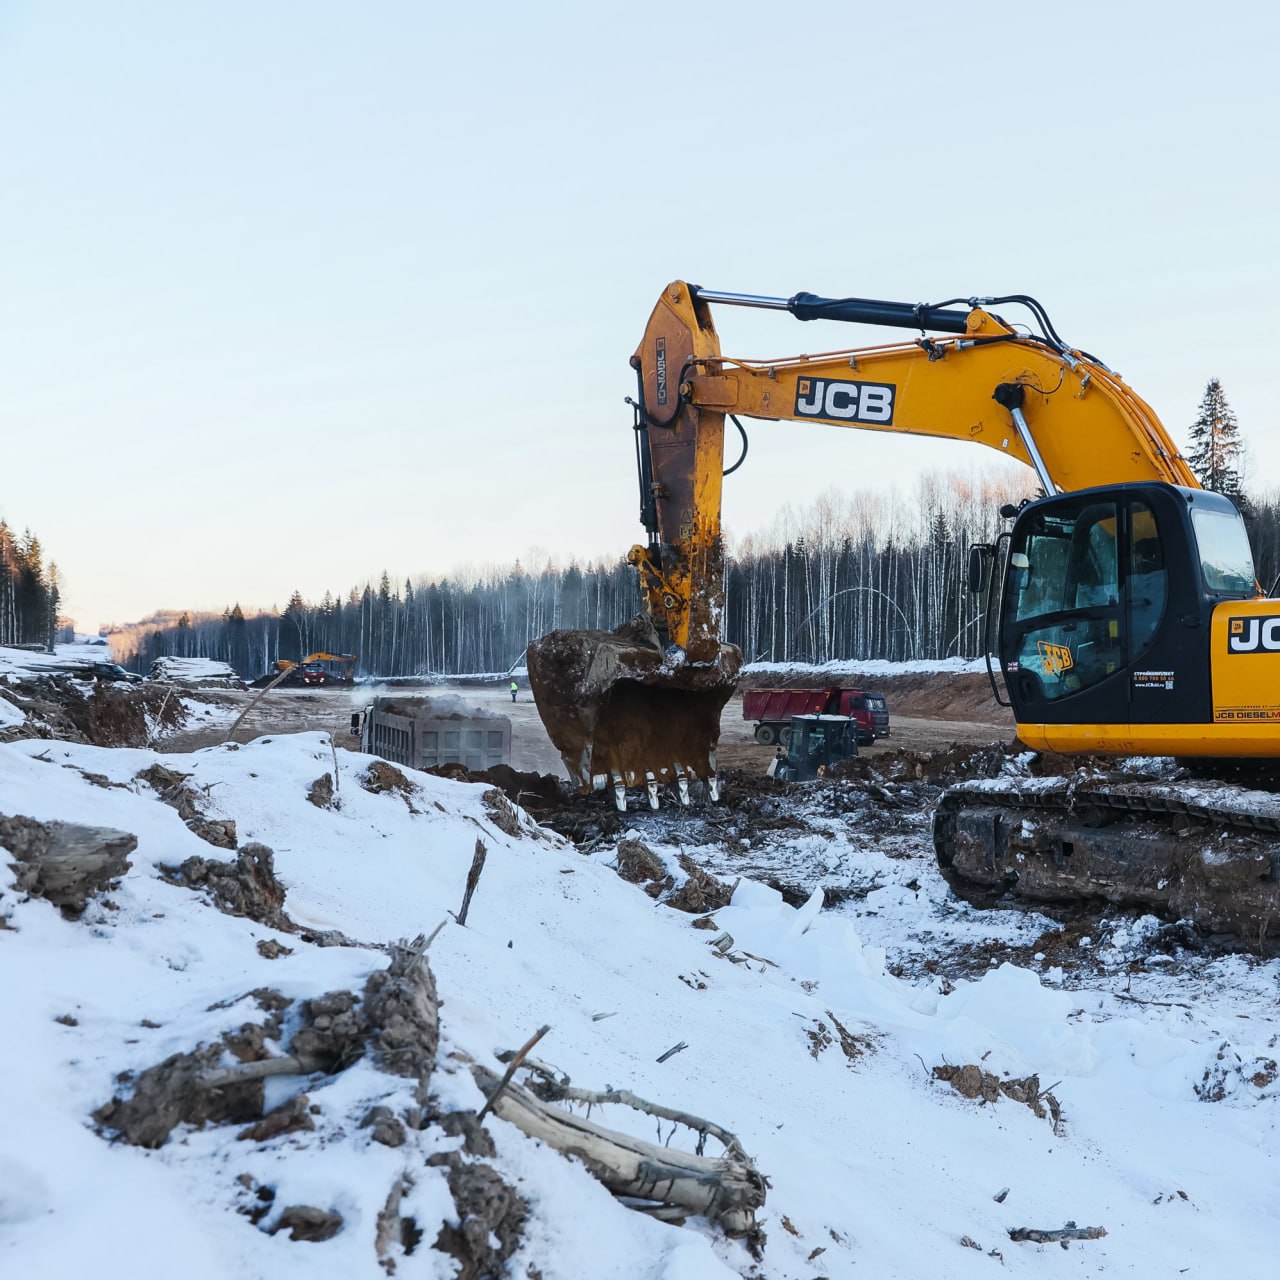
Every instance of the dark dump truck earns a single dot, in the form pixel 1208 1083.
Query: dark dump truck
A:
pixel 772 710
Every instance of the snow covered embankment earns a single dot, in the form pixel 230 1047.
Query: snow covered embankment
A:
pixel 805 1048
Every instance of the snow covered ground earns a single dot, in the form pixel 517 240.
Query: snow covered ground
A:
pixel 27 662
pixel 813 1039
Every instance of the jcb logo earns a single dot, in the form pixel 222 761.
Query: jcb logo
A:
pixel 1254 635
pixel 1056 657
pixel 845 401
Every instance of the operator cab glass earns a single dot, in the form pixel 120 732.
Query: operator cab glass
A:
pixel 1147 577
pixel 823 737
pixel 1226 559
pixel 1063 598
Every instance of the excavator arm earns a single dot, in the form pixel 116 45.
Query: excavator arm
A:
pixel 1059 411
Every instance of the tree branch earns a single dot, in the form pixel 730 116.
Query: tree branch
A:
pixel 1069 1232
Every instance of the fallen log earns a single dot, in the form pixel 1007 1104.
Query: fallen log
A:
pixel 727 1191
pixel 1070 1232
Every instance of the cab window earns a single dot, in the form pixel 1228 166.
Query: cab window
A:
pixel 1226 560
pixel 1147 577
pixel 1063 599
pixel 1068 562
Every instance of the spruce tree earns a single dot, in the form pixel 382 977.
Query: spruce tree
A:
pixel 236 640
pixel 1214 453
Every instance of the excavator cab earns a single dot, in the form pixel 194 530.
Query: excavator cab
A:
pixel 1109 595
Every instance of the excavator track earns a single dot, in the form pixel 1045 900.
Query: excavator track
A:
pixel 1206 855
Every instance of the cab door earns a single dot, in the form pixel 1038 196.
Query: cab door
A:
pixel 1064 629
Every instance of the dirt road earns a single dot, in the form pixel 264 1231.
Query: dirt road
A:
pixel 330 710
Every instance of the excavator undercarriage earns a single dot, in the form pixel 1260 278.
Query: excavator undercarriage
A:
pixel 1206 855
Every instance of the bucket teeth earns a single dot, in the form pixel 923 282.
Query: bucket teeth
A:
pixel 653 781
pixel 682 784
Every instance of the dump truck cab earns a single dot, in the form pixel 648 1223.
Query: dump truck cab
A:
pixel 772 710
pixel 815 743
pixel 871 710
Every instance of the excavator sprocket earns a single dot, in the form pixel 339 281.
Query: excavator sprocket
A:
pixel 1210 856
pixel 623 712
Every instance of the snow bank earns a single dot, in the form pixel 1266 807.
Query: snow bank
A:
pixel 27 662
pixel 800 1039
pixel 9 714
pixel 868 667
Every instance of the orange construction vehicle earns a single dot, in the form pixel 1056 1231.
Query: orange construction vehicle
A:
pixel 313 672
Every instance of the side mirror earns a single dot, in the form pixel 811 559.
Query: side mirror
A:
pixel 979 559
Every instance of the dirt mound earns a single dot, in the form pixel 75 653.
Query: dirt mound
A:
pixel 245 887
pixel 381 778
pixel 960 763
pixel 64 862
pixel 536 792
pixel 102 715
pixel 972 1082
pixel 174 791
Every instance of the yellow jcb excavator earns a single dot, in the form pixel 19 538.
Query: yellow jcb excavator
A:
pixel 311 671
pixel 1130 621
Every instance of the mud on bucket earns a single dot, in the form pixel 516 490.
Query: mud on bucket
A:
pixel 617 707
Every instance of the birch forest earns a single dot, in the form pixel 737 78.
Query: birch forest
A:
pixel 850 575
pixel 861 575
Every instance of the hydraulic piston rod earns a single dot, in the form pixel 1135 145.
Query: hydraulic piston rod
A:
pixel 809 306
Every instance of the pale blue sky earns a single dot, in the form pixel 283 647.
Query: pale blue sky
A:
pixel 293 292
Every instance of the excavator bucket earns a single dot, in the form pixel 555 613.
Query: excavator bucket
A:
pixel 624 713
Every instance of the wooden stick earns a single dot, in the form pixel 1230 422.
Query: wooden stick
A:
pixel 242 1072
pixel 625 1098
pixel 512 1066
pixel 473 879
pixel 231 733
pixel 151 737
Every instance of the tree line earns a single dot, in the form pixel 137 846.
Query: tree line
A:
pixel 29 592
pixel 858 575
pixel 852 575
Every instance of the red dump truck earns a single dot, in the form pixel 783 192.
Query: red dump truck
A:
pixel 772 710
